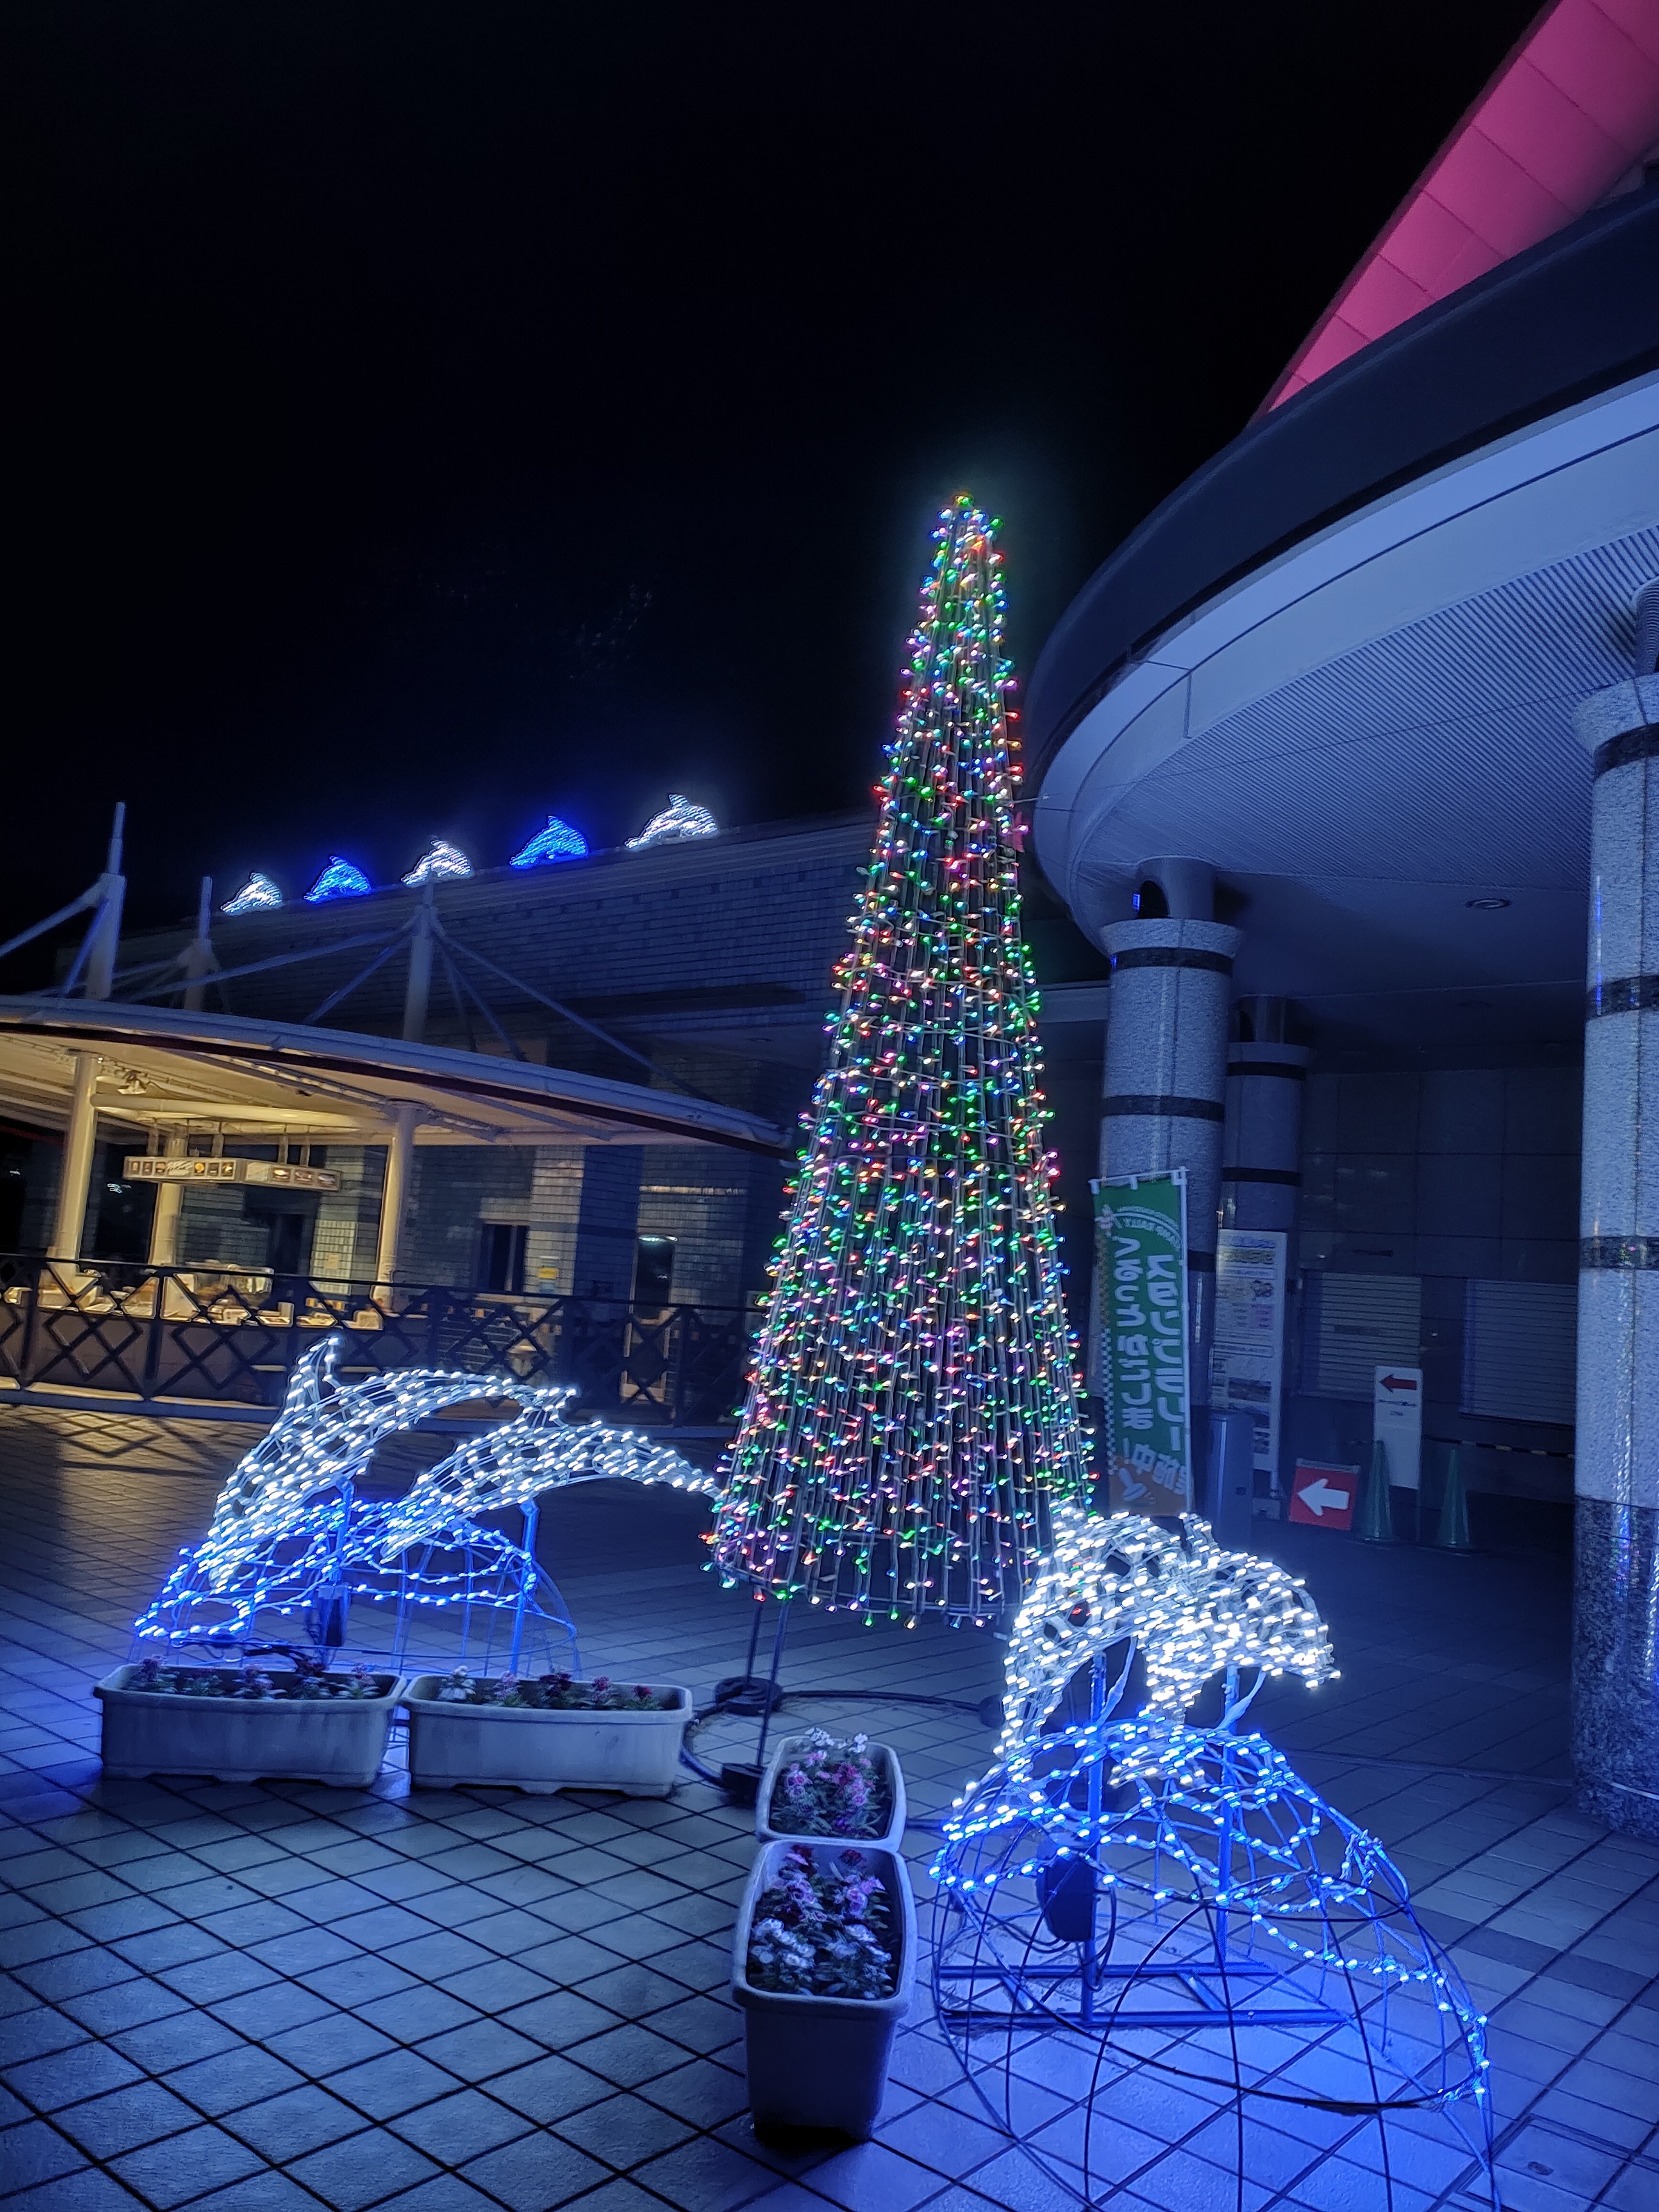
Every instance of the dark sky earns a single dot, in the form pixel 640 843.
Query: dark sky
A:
pixel 421 417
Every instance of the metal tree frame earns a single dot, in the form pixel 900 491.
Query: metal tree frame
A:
pixel 294 1544
pixel 1119 1892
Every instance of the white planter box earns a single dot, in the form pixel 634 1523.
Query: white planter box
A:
pixel 891 1838
pixel 339 1739
pixel 507 1747
pixel 821 2063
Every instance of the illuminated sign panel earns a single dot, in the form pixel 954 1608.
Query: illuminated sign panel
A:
pixel 152 1167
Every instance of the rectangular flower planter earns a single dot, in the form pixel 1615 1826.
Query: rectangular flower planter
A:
pixel 512 1747
pixel 341 1740
pixel 821 2063
pixel 891 1838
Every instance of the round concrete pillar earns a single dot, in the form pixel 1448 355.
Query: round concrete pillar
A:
pixel 1262 1137
pixel 1165 1086
pixel 1616 1571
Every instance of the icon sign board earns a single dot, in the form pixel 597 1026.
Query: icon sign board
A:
pixel 1323 1497
pixel 1398 1423
pixel 153 1167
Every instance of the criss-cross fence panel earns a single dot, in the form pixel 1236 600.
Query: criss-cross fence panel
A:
pixel 232 1336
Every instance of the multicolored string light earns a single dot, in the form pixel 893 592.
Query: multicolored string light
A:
pixel 913 1408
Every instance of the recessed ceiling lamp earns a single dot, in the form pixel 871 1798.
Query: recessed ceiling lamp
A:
pixel 1486 905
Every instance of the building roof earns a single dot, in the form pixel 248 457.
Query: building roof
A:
pixel 170 1070
pixel 1571 318
pixel 1568 115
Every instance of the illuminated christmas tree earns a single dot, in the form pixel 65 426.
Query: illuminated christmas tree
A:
pixel 912 1411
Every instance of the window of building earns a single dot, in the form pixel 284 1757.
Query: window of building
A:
pixel 500 1255
pixel 653 1271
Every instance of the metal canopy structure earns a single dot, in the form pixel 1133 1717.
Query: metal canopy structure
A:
pixel 173 1071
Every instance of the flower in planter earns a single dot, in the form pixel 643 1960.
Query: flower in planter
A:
pixel 308 1683
pixel 818 1932
pixel 553 1693
pixel 832 1789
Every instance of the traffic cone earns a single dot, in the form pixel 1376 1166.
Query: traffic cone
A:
pixel 1376 1511
pixel 1452 1530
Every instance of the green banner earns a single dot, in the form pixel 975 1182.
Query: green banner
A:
pixel 1140 1250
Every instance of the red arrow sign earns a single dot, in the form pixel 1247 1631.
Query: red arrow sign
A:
pixel 1323 1497
pixel 1396 1382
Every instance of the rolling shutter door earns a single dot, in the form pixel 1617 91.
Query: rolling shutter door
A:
pixel 1521 1350
pixel 1354 1324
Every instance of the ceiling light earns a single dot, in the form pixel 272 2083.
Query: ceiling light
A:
pixel 1486 905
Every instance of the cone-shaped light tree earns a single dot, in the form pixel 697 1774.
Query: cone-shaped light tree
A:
pixel 912 1411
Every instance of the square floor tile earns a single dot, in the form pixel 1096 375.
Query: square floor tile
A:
pixel 624 2131
pixel 298 2121
pixel 548 2089
pixel 186 2165
pixel 475 2052
pixel 68 2077
pixel 236 2078
pixel 32 2153
pixel 387 2087
pixel 462 2127
pixel 125 2118
pixel 363 2170
pixel 536 2174
pixel 328 2045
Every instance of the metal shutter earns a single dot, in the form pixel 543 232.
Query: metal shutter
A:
pixel 1520 1350
pixel 1355 1323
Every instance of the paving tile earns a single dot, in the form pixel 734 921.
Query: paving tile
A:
pixel 445 2192
pixel 328 2044
pixel 161 2045
pixel 547 2090
pixel 629 2055
pixel 362 2170
pixel 126 2004
pixel 26 2035
pixel 624 2131
pixel 477 2051
pixel 260 2192
pixel 70 2076
pixel 215 1980
pixel 535 2173
pixel 186 2165
pixel 560 2019
pixel 299 2120
pixel 233 2079
pixel 125 2119
pixel 263 2013
pixel 32 2152
pixel 412 2014
pixel 387 2087
pixel 703 2093
pixel 462 2127
pixel 707 2176
pixel 87 2191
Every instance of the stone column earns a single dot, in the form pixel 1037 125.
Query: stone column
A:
pixel 1616 1594
pixel 80 1142
pixel 1261 1139
pixel 394 1195
pixel 1166 1074
pixel 169 1203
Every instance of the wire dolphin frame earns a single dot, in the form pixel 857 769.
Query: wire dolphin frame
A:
pixel 1119 1892
pixel 291 1539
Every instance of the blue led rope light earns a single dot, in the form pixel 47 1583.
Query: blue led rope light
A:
pixel 288 1530
pixel 1111 1873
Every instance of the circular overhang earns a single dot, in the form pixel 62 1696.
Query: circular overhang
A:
pixel 167 1070
pixel 1365 725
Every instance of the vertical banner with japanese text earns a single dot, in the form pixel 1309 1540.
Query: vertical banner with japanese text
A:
pixel 1141 1246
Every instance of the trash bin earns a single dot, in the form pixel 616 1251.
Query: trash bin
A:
pixel 1229 1478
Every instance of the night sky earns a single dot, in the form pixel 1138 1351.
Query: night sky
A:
pixel 423 417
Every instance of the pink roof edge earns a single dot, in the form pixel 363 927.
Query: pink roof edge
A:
pixel 1571 112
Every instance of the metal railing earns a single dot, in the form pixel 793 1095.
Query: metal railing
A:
pixel 232 1336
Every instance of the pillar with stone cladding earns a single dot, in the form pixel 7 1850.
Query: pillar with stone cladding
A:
pixel 1262 1137
pixel 1165 1084
pixel 1616 1477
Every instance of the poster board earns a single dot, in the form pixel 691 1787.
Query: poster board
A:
pixel 1247 1367
pixel 1142 1347
pixel 1397 1422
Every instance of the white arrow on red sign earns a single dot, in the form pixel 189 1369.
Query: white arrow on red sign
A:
pixel 1318 1494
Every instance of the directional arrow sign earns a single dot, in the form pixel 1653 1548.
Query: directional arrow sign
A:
pixel 1323 1497
pixel 1397 1422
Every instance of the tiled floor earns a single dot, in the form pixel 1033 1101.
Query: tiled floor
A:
pixel 265 1997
